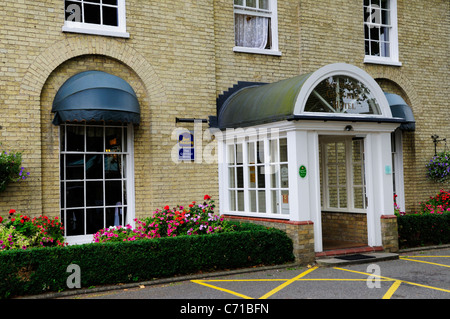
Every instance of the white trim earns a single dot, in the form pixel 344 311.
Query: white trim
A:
pixel 99 30
pixel 256 51
pixel 398 163
pixel 381 60
pixel 346 70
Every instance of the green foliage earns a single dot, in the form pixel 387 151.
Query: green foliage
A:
pixel 33 271
pixel 11 169
pixel 416 230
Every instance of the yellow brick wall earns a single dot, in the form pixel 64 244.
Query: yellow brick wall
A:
pixel 179 58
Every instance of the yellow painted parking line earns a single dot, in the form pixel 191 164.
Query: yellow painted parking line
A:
pixel 425 256
pixel 391 290
pixel 287 283
pixel 426 262
pixel 402 281
pixel 200 282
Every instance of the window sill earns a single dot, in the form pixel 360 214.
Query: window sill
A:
pixel 256 51
pixel 108 33
pixel 383 61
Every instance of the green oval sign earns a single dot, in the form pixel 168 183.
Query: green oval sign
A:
pixel 302 171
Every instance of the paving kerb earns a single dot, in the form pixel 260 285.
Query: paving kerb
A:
pixel 322 262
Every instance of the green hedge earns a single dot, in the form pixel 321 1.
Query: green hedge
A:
pixel 416 230
pixel 41 270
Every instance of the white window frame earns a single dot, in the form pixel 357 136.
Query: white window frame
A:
pixel 393 58
pixel 128 178
pixel 269 167
pixel 99 29
pixel 397 167
pixel 272 12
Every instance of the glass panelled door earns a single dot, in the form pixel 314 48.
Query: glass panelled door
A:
pixel 342 174
pixel 94 175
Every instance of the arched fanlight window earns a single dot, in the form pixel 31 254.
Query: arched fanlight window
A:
pixel 342 94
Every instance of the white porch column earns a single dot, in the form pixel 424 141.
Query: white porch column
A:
pixel 379 184
pixel 304 192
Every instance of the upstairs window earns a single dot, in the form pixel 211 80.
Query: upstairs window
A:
pixel 255 25
pixel 380 31
pixel 102 17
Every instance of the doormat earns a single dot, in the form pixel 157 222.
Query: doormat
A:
pixel 354 257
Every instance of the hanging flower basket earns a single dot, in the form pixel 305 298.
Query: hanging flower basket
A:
pixel 11 169
pixel 439 168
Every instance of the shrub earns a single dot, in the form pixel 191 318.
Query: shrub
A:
pixel 423 229
pixel 34 271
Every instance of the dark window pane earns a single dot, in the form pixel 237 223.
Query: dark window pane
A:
pixel 94 193
pixel 112 2
pixel 62 192
pixel 74 167
pixel 113 166
pixel 92 13
pixel 74 194
pixel 94 220
pixel 374 48
pixel 74 222
pixel 113 193
pixel 94 139
pixel 75 138
pixel 113 139
pixel 94 166
pixel 115 216
pixel 73 11
pixel 110 16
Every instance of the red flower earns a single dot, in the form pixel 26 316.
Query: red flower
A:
pixel 166 207
pixel 12 211
pixel 207 197
pixel 1 219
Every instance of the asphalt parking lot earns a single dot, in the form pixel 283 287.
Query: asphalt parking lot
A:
pixel 414 275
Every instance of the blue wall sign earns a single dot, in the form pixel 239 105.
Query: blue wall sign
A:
pixel 186 146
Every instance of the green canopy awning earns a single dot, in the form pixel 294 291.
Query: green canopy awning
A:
pixel 250 104
pixel 96 96
pixel 261 103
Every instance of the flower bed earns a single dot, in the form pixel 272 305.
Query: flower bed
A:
pixel 22 232
pixel 196 219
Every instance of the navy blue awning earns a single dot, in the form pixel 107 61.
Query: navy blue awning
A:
pixel 96 96
pixel 401 109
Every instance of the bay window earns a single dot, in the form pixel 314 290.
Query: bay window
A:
pixel 257 177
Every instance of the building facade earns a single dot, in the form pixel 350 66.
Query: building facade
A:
pixel 98 93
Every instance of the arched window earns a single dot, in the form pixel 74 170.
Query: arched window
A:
pixel 342 94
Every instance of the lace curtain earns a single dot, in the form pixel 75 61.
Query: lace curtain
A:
pixel 251 31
